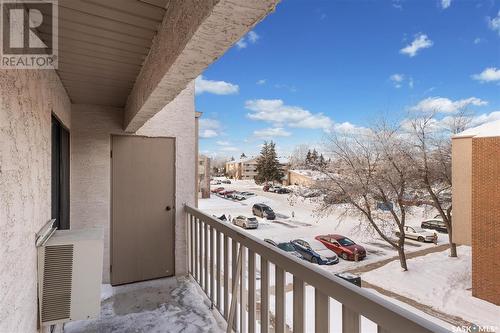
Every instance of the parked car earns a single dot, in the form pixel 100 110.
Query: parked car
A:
pixel 342 246
pixel 286 246
pixel 238 196
pixel 247 194
pixel 283 190
pixel 275 188
pixel 215 182
pixel 264 211
pixel 418 234
pixel 316 255
pixel 385 206
pixel 246 222
pixel 226 193
pixel 435 224
pixel 217 190
pixel 226 181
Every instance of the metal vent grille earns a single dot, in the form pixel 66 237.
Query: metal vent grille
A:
pixel 57 276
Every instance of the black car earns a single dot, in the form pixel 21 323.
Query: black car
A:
pixel 264 211
pixel 303 247
pixel 435 224
pixel 283 190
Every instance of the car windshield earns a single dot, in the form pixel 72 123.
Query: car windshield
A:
pixel 286 247
pixel 345 241
pixel 252 219
pixel 268 210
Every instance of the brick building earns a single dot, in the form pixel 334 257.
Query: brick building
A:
pixel 476 208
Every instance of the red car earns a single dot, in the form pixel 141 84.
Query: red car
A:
pixel 342 246
pixel 217 190
pixel 226 193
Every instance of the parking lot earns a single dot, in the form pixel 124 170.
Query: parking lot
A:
pixel 296 218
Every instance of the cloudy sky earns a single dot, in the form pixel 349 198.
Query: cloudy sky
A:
pixel 317 65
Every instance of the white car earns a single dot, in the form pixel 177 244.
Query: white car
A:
pixel 418 234
pixel 246 222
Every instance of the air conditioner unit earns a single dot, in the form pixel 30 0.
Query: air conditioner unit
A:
pixel 69 275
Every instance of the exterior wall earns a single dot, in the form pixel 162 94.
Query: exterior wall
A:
pixel 486 218
pixel 27 98
pixel 91 165
pixel 295 178
pixel 462 189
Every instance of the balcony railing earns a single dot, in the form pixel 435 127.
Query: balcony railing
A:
pixel 224 261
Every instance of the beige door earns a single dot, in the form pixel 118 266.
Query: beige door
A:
pixel 143 212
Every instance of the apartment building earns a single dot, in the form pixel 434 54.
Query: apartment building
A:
pixel 476 209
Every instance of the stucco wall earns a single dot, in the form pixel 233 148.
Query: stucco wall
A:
pixel 27 98
pixel 91 164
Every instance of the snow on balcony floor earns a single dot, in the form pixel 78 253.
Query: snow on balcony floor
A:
pixel 165 305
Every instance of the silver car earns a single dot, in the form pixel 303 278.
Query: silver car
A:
pixel 246 222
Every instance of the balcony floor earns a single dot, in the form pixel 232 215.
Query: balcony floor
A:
pixel 165 305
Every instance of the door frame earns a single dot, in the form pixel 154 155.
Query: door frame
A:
pixel 174 224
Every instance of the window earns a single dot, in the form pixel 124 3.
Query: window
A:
pixel 60 174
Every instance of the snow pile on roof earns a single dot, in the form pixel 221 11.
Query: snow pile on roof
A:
pixel 491 128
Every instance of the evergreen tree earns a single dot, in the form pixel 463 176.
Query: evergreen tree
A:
pixel 308 157
pixel 243 155
pixel 268 166
pixel 314 156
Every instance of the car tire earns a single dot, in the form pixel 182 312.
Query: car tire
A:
pixel 244 225
pixel 421 239
pixel 314 260
pixel 344 256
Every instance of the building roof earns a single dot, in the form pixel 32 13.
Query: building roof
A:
pixel 491 128
pixel 312 174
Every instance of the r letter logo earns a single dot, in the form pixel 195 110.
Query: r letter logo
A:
pixel 28 34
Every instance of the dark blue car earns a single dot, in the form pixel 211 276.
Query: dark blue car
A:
pixel 314 255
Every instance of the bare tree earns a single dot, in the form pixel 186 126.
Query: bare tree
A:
pixel 432 157
pixel 298 157
pixel 370 175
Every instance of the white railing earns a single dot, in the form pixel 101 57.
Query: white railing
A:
pixel 224 261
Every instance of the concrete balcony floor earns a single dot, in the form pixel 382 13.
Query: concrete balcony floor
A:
pixel 164 305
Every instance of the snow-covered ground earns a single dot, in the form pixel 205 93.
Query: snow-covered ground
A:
pixel 441 282
pixel 306 224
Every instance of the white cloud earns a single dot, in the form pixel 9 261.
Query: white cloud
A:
pixel 347 127
pixel 252 37
pixel 445 3
pixel 445 105
pixel 494 23
pixel 223 143
pixel 477 40
pixel 230 148
pixel 488 75
pixel 261 81
pixel 214 87
pixel 271 132
pixel 277 112
pixel 421 41
pixel 209 128
pixel 485 118
pixel 397 79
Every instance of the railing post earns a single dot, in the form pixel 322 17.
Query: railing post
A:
pixel 264 295
pixel 280 303
pixel 219 269
pixel 234 295
pixel 321 311
pixel 251 291
pixel 227 271
pixel 212 264
pixel 205 252
pixel 243 292
pixel 350 320
pixel 298 305
pixel 196 251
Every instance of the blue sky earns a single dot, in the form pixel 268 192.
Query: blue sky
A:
pixel 316 65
